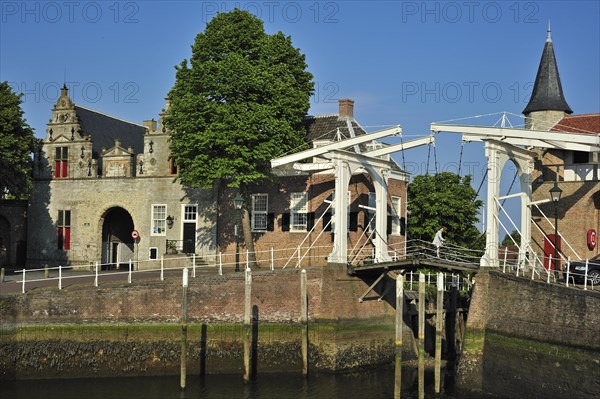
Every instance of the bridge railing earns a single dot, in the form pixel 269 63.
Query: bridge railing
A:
pixel 277 258
pixel 462 283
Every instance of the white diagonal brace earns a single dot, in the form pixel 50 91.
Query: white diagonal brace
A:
pixel 400 147
pixel 497 133
pixel 527 142
pixel 313 152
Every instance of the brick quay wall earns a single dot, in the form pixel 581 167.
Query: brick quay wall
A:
pixel 531 339
pixel 117 330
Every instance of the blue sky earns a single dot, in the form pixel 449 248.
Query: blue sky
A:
pixel 409 63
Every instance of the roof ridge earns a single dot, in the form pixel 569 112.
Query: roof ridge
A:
pixel 321 116
pixel 582 115
pixel 109 116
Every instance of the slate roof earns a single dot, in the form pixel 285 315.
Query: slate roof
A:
pixel 105 129
pixel 325 127
pixel 547 92
pixel 584 123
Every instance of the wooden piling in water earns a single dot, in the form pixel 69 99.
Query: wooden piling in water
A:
pixel 184 317
pixel 304 322
pixel 398 338
pixel 421 336
pixel 247 323
pixel 438 331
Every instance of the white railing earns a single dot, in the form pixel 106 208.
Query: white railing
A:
pixel 278 258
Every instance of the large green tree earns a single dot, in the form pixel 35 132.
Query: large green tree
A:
pixel 236 105
pixel 444 199
pixel 17 142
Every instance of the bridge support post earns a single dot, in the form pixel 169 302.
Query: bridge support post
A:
pixel 497 155
pixel 340 220
pixel 381 194
pixel 421 335
pixel 398 341
pixel 438 331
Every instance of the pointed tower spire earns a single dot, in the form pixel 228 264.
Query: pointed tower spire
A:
pixel 547 92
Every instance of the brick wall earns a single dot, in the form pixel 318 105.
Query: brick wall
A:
pixel 578 211
pixel 332 296
pixel 542 338
pixel 319 188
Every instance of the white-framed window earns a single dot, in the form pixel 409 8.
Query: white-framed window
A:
pixel 159 217
pixel 260 206
pixel 370 214
pixel 299 211
pixel 396 207
pixel 190 213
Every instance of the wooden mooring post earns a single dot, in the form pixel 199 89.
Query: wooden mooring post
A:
pixel 184 317
pixel 438 332
pixel 304 322
pixel 247 323
pixel 398 340
pixel 421 336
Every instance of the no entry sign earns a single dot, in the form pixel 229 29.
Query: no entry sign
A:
pixel 135 234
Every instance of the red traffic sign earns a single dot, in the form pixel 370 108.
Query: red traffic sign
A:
pixel 135 234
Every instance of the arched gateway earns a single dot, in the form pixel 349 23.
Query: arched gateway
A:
pixel 117 244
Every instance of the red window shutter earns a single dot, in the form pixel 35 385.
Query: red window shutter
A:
pixel 67 231
pixel 64 168
pixel 57 169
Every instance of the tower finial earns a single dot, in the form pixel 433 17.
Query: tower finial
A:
pixel 548 36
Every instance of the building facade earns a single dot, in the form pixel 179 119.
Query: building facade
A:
pixel 576 173
pixel 97 179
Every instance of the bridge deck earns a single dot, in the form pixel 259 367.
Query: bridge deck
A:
pixel 412 264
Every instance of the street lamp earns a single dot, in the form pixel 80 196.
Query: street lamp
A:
pixel 238 203
pixel 555 193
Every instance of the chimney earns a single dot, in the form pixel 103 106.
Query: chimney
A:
pixel 346 107
pixel 151 124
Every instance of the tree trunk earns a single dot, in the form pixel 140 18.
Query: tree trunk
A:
pixel 246 228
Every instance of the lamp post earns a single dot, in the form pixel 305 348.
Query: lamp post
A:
pixel 238 203
pixel 555 193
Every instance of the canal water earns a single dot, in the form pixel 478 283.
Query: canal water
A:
pixel 368 384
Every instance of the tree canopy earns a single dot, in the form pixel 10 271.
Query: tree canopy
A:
pixel 444 199
pixel 515 236
pixel 17 142
pixel 238 104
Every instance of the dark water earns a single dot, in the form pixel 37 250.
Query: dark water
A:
pixel 370 384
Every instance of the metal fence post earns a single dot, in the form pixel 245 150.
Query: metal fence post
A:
pixel 96 279
pixel 220 264
pixel 162 268
pixel 568 269
pixel 586 275
pixel 23 288
pixel 194 265
pixel 59 277
pixel 129 275
pixel 272 260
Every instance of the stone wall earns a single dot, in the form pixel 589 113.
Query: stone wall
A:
pixel 79 325
pixel 531 338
